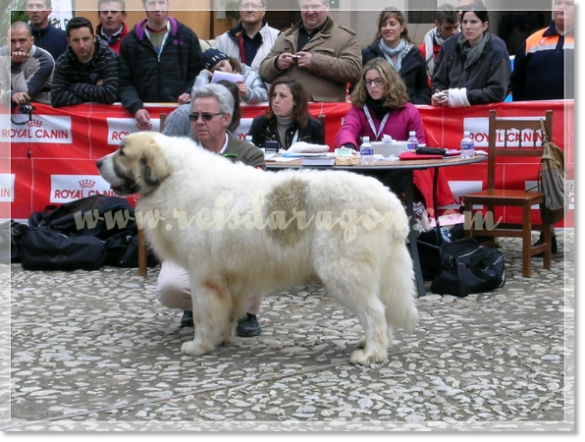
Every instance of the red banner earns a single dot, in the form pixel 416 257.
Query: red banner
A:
pixel 53 152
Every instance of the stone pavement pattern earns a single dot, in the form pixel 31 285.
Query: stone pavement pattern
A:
pixel 95 350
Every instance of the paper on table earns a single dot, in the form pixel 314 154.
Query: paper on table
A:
pixel 219 75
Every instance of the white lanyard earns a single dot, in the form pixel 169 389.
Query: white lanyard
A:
pixel 371 123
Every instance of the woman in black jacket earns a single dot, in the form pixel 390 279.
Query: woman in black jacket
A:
pixel 393 44
pixel 287 119
pixel 474 70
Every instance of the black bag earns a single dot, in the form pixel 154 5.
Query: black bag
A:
pixel 122 251
pixel 45 249
pixel 468 267
pixel 428 248
pixel 98 215
pixel 552 180
pixel 11 234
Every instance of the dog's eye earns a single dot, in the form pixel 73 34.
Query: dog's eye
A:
pixel 121 152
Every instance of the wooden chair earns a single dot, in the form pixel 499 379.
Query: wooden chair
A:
pixel 494 195
pixel 142 267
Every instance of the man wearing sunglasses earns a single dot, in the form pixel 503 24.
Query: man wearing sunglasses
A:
pixel 211 114
pixel 112 28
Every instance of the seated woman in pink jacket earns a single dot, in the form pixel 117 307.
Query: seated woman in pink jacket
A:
pixel 380 106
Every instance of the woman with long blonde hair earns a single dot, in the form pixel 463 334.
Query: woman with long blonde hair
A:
pixel 380 107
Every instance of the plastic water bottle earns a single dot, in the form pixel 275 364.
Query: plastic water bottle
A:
pixel 412 142
pixel 366 151
pixel 467 149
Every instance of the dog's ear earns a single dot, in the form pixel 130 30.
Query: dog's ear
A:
pixel 154 167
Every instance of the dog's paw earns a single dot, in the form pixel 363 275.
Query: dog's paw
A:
pixel 196 348
pixel 363 357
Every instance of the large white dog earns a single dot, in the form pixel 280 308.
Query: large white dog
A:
pixel 243 232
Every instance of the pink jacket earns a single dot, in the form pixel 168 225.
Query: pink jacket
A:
pixel 399 123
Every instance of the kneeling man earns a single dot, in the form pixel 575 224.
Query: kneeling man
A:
pixel 212 109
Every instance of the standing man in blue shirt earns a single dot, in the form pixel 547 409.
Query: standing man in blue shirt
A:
pixel 46 36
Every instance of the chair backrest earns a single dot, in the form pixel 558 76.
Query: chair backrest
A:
pixel 514 137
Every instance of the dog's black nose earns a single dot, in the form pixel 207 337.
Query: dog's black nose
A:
pixel 99 163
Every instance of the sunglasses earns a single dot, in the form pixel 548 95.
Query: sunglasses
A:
pixel 206 117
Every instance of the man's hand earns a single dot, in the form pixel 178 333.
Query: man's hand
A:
pixel 19 57
pixel 143 119
pixel 285 61
pixel 184 98
pixel 304 59
pixel 20 97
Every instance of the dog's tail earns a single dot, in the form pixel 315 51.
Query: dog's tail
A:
pixel 397 287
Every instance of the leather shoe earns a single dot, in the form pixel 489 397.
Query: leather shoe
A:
pixel 248 326
pixel 553 245
pixel 186 320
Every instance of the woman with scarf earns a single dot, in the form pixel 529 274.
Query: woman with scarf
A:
pixel 287 119
pixel 474 69
pixel 381 107
pixel 393 44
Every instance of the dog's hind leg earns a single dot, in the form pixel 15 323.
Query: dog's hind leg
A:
pixel 212 308
pixel 360 296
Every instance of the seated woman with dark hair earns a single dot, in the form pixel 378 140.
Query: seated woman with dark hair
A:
pixel 287 119
pixel 381 107
pixel 475 69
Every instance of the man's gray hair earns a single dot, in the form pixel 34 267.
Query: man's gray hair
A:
pixel 221 93
pixel 325 2
pixel 261 1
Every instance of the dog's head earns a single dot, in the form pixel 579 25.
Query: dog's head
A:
pixel 138 166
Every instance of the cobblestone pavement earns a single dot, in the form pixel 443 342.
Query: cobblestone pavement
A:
pixel 95 350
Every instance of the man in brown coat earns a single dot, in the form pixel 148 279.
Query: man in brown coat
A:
pixel 321 56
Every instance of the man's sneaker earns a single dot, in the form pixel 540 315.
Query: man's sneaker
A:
pixel 186 320
pixel 553 245
pixel 248 326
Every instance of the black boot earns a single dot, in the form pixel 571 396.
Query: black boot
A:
pixel 553 244
pixel 186 320
pixel 248 326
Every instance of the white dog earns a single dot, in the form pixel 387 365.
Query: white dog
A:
pixel 241 231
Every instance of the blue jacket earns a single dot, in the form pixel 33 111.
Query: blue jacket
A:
pixel 146 76
pixel 51 39
pixel 540 72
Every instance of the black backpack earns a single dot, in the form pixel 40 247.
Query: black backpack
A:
pixel 83 234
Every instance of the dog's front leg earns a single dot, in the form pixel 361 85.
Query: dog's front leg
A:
pixel 212 306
